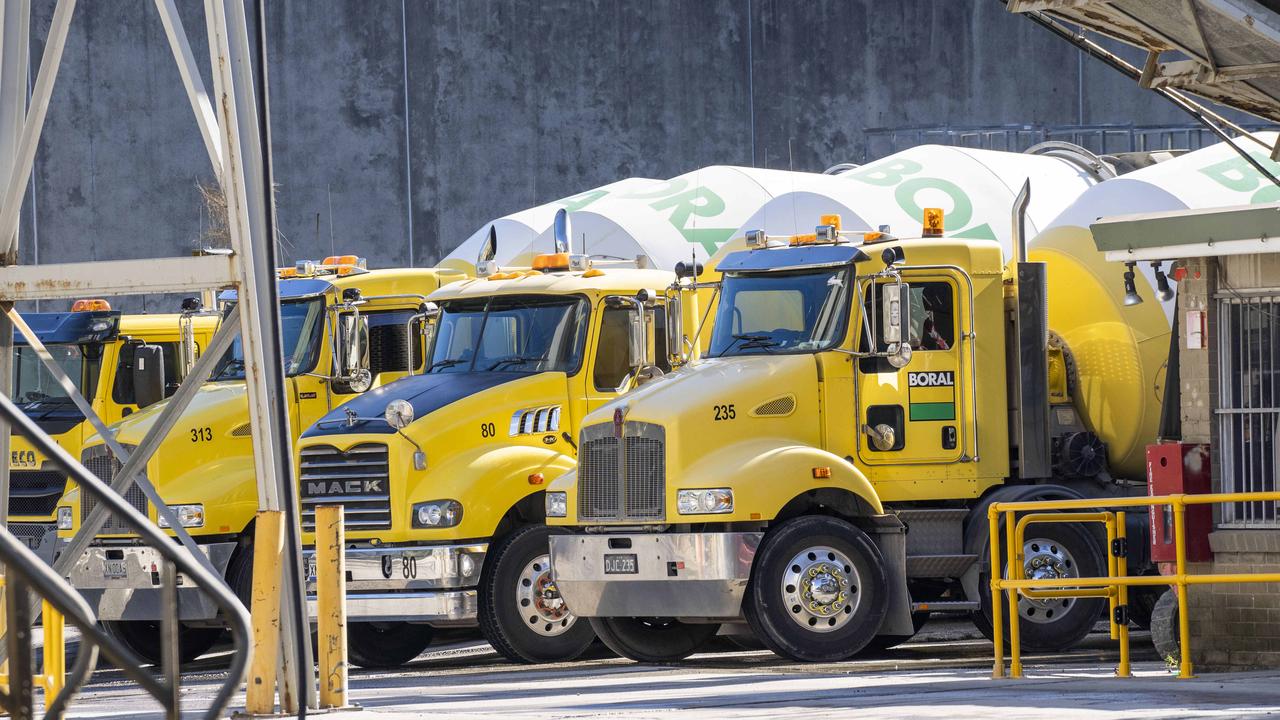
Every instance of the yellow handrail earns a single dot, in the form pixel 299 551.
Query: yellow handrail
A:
pixel 1115 586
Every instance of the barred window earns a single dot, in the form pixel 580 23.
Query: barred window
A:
pixel 1248 404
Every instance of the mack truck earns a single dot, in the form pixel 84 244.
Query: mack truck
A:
pixel 820 477
pixel 345 331
pixel 98 348
pixel 441 475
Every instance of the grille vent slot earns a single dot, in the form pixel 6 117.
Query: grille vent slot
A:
pixel 244 430
pixel 777 407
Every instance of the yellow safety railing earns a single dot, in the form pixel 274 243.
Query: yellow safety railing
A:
pixel 1115 586
pixel 54 675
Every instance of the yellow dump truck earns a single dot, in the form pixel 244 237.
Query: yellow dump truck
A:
pixel 441 475
pixel 345 330
pixel 97 348
pixel 821 476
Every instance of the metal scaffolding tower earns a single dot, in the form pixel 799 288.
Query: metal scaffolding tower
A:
pixel 233 124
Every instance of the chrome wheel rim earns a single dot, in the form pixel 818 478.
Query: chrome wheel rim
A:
pixel 1045 559
pixel 538 602
pixel 821 589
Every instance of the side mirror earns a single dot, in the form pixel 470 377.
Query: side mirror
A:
pixel 675 326
pixel 148 375
pixel 896 323
pixel 351 352
pixel 637 340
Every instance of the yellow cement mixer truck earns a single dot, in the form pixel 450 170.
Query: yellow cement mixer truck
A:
pixel 821 474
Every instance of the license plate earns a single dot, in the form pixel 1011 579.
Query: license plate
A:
pixel 113 568
pixel 620 564
pixel 310 569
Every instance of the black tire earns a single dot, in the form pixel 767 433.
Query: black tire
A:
pixel 521 614
pixel 143 638
pixel 880 643
pixel 1164 628
pixel 804 546
pixel 1067 621
pixel 1142 603
pixel 386 644
pixel 652 640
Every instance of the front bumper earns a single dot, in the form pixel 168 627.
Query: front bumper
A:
pixel 433 584
pixel 123 583
pixel 689 575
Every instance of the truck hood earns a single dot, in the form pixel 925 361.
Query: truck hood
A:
pixel 214 404
pixel 426 393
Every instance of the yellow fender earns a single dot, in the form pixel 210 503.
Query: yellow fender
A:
pixel 488 481
pixel 788 470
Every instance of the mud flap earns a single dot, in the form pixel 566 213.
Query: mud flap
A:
pixel 890 536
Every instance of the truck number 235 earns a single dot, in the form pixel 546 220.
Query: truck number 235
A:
pixel 725 412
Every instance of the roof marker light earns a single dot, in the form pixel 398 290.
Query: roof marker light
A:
pixel 933 225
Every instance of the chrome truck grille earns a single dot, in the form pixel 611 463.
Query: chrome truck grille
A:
pixel 622 479
pixel 356 479
pixel 100 461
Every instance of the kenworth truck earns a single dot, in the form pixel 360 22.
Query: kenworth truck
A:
pixel 345 330
pixel 822 474
pixel 97 348
pixel 441 475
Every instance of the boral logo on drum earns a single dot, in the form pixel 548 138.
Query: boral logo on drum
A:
pixel 931 379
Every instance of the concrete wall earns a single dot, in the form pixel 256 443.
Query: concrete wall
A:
pixel 400 127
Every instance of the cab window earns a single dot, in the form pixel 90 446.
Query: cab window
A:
pixel 933 317
pixel 611 363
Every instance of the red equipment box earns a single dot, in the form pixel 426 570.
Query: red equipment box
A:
pixel 1179 468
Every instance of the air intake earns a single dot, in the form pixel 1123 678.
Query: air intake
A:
pixel 777 407
pixel 244 430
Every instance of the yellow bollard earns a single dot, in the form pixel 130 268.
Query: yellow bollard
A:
pixel 1184 614
pixel 997 602
pixel 331 601
pixel 268 555
pixel 1113 600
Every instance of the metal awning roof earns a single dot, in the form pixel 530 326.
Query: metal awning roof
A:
pixel 1244 230
pixel 1227 51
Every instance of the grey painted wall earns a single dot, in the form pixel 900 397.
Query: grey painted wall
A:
pixel 403 125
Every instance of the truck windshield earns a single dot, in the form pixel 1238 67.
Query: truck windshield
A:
pixel 301 326
pixel 33 383
pixel 781 312
pixel 526 333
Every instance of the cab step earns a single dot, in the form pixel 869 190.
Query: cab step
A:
pixel 934 531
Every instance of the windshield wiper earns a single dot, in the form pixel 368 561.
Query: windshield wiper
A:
pixel 233 365
pixel 752 341
pixel 450 362
pixel 513 360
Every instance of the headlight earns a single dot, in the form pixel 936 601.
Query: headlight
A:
pixel 64 518
pixel 189 515
pixel 557 504
pixel 437 514
pixel 704 502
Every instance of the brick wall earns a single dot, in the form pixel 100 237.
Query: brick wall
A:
pixel 1233 626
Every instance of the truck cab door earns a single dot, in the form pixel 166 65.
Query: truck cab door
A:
pixel 916 415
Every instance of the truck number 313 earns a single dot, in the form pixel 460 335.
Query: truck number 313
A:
pixel 204 434
pixel 725 412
